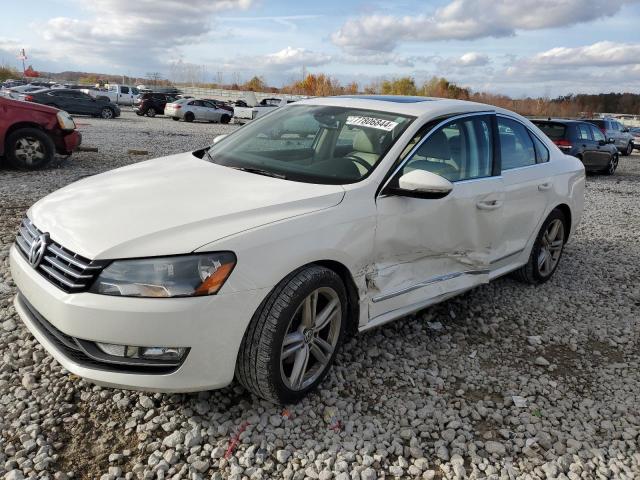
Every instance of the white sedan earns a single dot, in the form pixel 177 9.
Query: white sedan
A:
pixel 190 109
pixel 253 258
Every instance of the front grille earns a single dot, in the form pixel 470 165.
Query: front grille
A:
pixel 86 354
pixel 67 270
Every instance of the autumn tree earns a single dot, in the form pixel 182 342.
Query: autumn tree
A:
pixel 256 84
pixel 399 86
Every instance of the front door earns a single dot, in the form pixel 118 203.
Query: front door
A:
pixel 426 249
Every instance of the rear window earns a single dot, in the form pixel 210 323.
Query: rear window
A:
pixel 555 131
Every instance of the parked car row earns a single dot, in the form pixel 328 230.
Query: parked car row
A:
pixel 598 143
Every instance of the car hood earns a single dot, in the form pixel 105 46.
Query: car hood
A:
pixel 170 205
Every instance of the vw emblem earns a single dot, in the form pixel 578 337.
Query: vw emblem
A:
pixel 38 249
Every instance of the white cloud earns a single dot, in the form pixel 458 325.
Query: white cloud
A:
pixel 470 59
pixel 122 32
pixel 285 60
pixel 469 19
pixel 599 54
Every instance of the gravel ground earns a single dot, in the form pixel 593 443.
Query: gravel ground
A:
pixel 507 381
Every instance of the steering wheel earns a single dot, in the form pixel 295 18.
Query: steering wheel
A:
pixel 359 161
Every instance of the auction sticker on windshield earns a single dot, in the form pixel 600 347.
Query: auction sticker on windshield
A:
pixel 372 122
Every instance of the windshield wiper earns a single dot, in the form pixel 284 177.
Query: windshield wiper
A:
pixel 260 171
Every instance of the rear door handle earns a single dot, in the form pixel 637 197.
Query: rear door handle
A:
pixel 489 204
pixel 545 186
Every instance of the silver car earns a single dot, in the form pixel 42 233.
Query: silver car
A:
pixel 614 130
pixel 190 109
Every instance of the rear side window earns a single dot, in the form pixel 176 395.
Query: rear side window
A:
pixel 516 146
pixel 555 131
pixel 542 153
pixel 124 89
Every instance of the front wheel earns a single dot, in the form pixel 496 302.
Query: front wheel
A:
pixel 175 119
pixel 225 119
pixel 106 113
pixel 546 252
pixel 629 149
pixel 29 148
pixel 293 336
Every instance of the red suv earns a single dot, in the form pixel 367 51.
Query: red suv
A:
pixel 31 134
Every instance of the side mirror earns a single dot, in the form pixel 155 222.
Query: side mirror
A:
pixel 422 184
pixel 611 140
pixel 218 138
pixel 602 142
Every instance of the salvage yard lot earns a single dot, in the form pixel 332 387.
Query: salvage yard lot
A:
pixel 503 381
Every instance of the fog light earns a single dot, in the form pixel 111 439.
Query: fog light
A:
pixel 150 353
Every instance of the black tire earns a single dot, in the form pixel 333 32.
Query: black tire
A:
pixel 151 112
pixel 107 113
pixel 39 140
pixel 258 367
pixel 189 117
pixel 530 272
pixel 225 119
pixel 175 119
pixel 140 114
pixel 629 149
pixel 612 165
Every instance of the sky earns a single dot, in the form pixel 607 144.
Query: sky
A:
pixel 513 47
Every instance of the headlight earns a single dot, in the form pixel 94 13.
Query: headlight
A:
pixel 177 276
pixel 65 121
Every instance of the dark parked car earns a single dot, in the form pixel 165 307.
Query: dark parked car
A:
pixel 31 134
pixel 613 129
pixel 152 104
pixel 584 141
pixel 76 102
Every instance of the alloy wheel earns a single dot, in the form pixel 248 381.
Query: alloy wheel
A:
pixel 30 150
pixel 613 165
pixel 311 338
pixel 107 113
pixel 551 247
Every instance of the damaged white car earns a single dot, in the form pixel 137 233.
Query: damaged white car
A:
pixel 253 258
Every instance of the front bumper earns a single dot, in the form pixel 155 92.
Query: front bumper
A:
pixel 67 142
pixel 212 327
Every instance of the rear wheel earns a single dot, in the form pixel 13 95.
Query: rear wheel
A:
pixel 151 112
pixel 189 117
pixel 225 119
pixel 175 119
pixel 293 336
pixel 612 165
pixel 546 252
pixel 29 148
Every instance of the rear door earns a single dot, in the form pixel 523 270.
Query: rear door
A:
pixel 125 97
pixel 527 183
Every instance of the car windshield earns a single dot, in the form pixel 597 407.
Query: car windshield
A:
pixel 312 143
pixel 555 131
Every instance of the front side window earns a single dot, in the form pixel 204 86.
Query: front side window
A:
pixel 312 143
pixel 460 150
pixel 124 89
pixel 598 136
pixel 516 145
pixel 583 132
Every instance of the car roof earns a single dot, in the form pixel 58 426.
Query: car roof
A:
pixel 404 105
pixel 567 121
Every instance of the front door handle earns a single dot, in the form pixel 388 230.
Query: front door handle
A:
pixel 489 204
pixel 545 186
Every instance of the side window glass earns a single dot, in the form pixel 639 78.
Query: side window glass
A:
pixel 124 89
pixel 542 153
pixel 584 132
pixel 461 150
pixel 516 146
pixel 597 134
